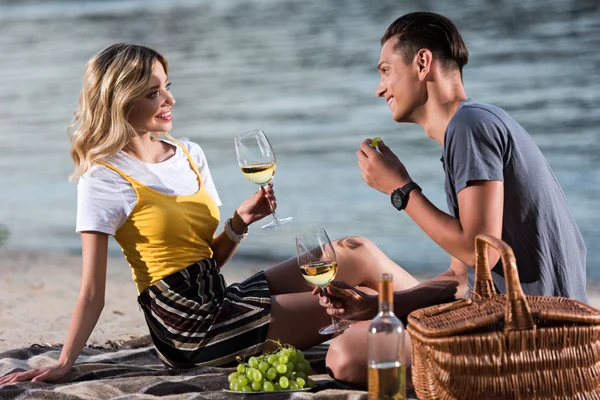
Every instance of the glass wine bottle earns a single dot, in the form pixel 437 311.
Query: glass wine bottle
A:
pixel 386 348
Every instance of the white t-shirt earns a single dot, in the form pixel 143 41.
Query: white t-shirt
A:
pixel 105 199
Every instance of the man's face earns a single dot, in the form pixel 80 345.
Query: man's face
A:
pixel 400 85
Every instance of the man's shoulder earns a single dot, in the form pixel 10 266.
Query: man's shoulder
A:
pixel 472 113
pixel 476 126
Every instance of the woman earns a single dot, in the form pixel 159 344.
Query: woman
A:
pixel 156 197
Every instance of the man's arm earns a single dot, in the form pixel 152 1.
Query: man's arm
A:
pixel 448 286
pixel 481 206
pixel 353 304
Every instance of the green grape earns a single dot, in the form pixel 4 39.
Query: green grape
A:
pixel 306 367
pixel 284 369
pixel 375 141
pixel 268 386
pixel 242 380
pixel 281 368
pixel 263 366
pixel 284 382
pixel 272 374
pixel 300 375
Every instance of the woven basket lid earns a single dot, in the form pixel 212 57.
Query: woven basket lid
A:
pixel 485 310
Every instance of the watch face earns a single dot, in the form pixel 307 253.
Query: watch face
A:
pixel 397 199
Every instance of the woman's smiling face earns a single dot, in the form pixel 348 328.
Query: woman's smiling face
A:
pixel 152 113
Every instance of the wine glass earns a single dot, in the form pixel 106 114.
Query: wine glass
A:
pixel 257 162
pixel 318 265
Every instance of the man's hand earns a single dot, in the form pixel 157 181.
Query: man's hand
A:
pixel 346 302
pixel 382 170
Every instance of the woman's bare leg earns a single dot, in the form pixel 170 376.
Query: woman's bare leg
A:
pixel 296 319
pixel 360 263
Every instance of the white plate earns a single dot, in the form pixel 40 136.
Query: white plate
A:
pixel 306 389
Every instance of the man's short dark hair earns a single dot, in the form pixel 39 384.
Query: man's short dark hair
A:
pixel 425 30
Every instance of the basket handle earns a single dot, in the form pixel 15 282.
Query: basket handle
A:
pixel 517 315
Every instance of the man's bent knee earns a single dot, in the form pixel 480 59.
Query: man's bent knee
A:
pixel 346 364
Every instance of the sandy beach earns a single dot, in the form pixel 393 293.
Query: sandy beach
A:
pixel 38 291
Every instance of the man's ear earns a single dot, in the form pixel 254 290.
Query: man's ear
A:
pixel 423 59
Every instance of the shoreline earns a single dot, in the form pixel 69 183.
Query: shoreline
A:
pixel 38 291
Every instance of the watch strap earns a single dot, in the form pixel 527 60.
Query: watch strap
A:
pixel 404 193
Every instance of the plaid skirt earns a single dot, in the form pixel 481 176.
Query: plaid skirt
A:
pixel 196 320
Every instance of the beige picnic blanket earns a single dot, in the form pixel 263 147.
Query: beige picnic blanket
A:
pixel 132 370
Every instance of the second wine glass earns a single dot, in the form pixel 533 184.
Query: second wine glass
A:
pixel 257 161
pixel 318 265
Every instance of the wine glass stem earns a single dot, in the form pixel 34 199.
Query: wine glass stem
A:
pixel 273 213
pixel 333 323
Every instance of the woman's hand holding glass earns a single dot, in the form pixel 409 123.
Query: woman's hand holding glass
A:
pixel 257 161
pixel 257 206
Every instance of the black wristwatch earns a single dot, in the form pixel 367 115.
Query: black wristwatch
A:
pixel 399 196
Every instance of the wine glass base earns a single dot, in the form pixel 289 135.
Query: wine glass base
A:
pixel 339 327
pixel 277 222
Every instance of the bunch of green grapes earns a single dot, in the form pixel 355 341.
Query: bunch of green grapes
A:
pixel 283 369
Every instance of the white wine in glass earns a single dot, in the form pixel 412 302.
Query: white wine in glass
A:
pixel 318 265
pixel 260 174
pixel 319 273
pixel 257 162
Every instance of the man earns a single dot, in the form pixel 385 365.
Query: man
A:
pixel 497 182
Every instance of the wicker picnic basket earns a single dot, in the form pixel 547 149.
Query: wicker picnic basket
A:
pixel 495 346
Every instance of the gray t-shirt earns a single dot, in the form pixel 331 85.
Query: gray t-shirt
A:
pixel 482 142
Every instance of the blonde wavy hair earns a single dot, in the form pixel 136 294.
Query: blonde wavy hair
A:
pixel 114 79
